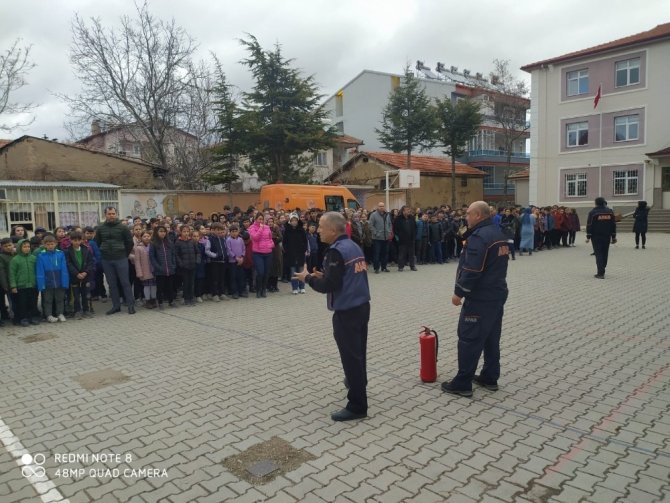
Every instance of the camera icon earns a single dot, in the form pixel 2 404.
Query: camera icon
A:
pixel 33 465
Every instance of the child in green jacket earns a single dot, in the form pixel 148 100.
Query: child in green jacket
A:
pixel 23 284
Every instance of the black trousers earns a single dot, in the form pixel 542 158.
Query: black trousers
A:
pixel 217 278
pixel 25 304
pixel 406 254
pixel 637 238
pixel 479 329
pixel 601 247
pixel 188 283
pixel 350 329
pixel 165 288
pixel 80 293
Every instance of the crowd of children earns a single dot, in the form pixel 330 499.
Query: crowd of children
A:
pixel 229 255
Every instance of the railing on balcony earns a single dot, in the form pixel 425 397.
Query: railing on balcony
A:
pixel 496 153
pixel 498 188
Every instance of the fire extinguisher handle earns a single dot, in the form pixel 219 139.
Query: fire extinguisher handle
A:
pixel 437 343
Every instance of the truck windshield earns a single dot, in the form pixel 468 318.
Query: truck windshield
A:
pixel 334 203
pixel 353 204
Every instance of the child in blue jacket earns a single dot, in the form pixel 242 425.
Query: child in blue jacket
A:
pixel 53 279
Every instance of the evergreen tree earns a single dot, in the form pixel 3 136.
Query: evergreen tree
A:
pixel 226 154
pixel 284 124
pixel 408 119
pixel 457 123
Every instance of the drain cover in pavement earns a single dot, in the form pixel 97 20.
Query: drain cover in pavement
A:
pixel 38 337
pixel 262 463
pixel 100 379
pixel 263 468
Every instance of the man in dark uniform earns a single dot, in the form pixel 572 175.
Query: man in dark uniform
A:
pixel 601 228
pixel 481 280
pixel 345 280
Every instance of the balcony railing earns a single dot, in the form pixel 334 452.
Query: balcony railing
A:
pixel 496 153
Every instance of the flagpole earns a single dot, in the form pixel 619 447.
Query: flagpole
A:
pixel 600 141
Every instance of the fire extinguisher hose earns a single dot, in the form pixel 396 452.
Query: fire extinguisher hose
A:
pixel 437 343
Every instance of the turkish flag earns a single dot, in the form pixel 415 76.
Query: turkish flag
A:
pixel 598 95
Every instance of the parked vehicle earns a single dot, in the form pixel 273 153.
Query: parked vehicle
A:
pixel 289 196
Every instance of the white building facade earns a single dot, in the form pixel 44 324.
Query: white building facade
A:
pixel 357 109
pixel 595 115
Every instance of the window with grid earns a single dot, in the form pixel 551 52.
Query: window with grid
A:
pixel 578 82
pixel 627 72
pixel 626 128
pixel 625 182
pixel 575 185
pixel 72 195
pixel 577 134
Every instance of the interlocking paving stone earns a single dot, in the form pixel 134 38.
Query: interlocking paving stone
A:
pixel 582 410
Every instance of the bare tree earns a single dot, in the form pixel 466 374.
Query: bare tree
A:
pixel 508 104
pixel 15 64
pixel 141 75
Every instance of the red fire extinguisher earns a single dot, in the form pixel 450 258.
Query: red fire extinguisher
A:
pixel 428 344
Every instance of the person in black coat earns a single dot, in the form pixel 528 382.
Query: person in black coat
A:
pixel 640 225
pixel 295 250
pixel 187 254
pixel 404 229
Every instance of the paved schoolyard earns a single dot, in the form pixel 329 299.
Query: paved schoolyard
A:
pixel 582 413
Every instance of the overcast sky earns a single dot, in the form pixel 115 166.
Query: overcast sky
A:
pixel 331 39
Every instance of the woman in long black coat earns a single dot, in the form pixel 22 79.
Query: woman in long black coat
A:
pixel 640 225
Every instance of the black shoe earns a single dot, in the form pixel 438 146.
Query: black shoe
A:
pixel 488 385
pixel 599 276
pixel 400 270
pixel 34 321
pixel 413 269
pixel 637 247
pixel 131 309
pixel 376 271
pixel 24 323
pixel 347 415
pixel 644 247
pixel 114 310
pixel 447 388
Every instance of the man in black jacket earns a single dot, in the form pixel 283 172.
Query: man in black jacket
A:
pixel 481 279
pixel 116 242
pixel 405 232
pixel 601 227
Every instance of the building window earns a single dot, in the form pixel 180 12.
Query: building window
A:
pixel 136 150
pixel 464 181
pixel 628 72
pixel 578 134
pixel 626 128
pixel 625 182
pixel 578 82
pixel 320 159
pixel 575 185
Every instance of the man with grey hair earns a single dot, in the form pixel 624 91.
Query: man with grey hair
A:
pixel 116 243
pixel 380 225
pixel 344 279
pixel 481 279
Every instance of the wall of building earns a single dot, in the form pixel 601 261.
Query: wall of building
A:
pixel 521 192
pixel 36 159
pixel 434 191
pixel 150 204
pixel 551 109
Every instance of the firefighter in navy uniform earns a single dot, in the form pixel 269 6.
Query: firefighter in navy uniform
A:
pixel 601 228
pixel 345 280
pixel 481 279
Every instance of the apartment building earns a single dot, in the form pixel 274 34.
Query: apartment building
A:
pixel 600 124
pixel 356 110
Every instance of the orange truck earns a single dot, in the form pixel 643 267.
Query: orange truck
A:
pixel 288 196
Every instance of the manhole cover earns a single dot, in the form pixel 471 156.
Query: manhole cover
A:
pixel 100 379
pixel 263 468
pixel 38 337
pixel 262 463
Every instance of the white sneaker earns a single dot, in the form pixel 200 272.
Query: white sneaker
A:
pixel 302 290
pixel 198 300
pixel 61 318
pixel 295 292
pixel 215 298
pixel 208 296
pixel 52 319
pixel 224 297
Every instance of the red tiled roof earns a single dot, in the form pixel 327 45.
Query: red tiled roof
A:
pixel 5 142
pixel 519 175
pixel 347 140
pixel 424 163
pixel 661 31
